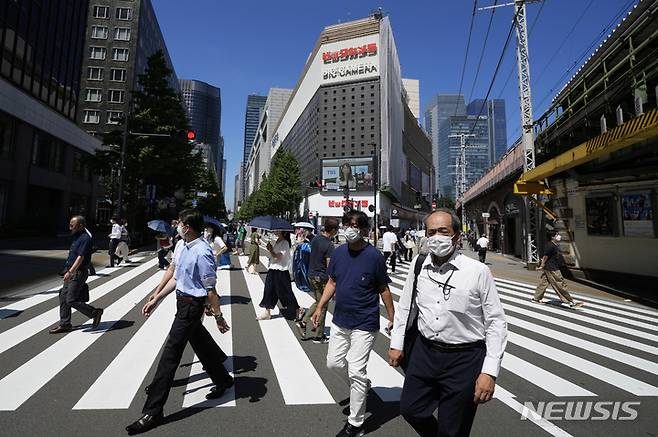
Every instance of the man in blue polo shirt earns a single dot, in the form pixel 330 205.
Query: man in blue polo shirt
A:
pixel 357 276
pixel 75 291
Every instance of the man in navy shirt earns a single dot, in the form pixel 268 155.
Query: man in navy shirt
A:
pixel 75 291
pixel 357 276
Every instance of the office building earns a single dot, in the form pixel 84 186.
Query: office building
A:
pixel 204 109
pixel 347 122
pixel 260 157
pixel 477 152
pixel 495 112
pixel 437 125
pixel 255 105
pixel 45 175
pixel 121 36
pixel 411 93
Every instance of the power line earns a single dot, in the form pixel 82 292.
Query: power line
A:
pixel 484 46
pixel 468 45
pixel 500 61
pixel 587 51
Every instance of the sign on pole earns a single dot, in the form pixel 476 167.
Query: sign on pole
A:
pixel 486 215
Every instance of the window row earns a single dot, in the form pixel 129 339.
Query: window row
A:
pixel 97 73
pixel 372 87
pixel 102 32
pixel 93 116
pixel 120 13
pixel 118 54
pixel 113 96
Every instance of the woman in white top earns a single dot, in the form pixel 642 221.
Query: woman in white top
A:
pixel 211 235
pixel 277 281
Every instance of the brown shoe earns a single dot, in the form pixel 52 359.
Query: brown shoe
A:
pixel 98 312
pixel 61 329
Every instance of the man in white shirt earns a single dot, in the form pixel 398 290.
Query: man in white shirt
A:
pixel 115 238
pixel 461 334
pixel 389 240
pixel 482 245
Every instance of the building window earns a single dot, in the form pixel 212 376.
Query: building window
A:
pixel 7 128
pixel 601 215
pixel 122 34
pixel 101 12
pixel 120 54
pixel 115 96
pixel 99 32
pixel 118 74
pixel 124 13
pixel 95 73
pixel 97 52
pixel 92 116
pixel 93 95
pixel 47 152
pixel 114 117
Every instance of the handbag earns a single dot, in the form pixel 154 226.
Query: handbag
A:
pixel 411 331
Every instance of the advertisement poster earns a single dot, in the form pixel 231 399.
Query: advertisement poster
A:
pixel 600 215
pixel 637 213
pixel 353 173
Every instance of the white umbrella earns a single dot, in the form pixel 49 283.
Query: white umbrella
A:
pixel 306 225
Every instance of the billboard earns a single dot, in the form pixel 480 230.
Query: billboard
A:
pixel 637 213
pixel 348 172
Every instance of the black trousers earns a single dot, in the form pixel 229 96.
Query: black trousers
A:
pixel 162 260
pixel 482 254
pixel 71 296
pixel 278 288
pixel 443 380
pixel 114 242
pixel 387 255
pixel 187 327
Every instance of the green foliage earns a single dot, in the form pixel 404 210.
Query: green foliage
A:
pixel 445 202
pixel 213 204
pixel 279 194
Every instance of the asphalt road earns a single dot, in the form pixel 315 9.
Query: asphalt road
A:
pixel 92 382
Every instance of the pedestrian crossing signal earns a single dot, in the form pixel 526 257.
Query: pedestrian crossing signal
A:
pixel 191 135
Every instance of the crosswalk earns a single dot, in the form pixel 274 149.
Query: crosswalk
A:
pixel 606 349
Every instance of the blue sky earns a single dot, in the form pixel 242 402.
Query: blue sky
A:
pixel 246 47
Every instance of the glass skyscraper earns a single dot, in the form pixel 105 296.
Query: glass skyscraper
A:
pixel 495 112
pixel 255 105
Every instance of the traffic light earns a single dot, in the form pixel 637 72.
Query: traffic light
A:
pixel 191 135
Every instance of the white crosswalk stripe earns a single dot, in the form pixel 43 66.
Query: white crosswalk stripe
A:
pixel 550 344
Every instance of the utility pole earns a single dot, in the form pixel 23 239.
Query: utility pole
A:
pixel 527 138
pixel 122 167
pixel 461 171
pixel 375 187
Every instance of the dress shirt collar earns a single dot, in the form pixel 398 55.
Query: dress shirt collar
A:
pixel 455 261
pixel 192 243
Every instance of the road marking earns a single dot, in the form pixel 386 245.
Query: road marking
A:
pixel 586 298
pixel 577 314
pixel 27 329
pixel 543 379
pixel 25 381
pixel 298 380
pixel 508 399
pixel 386 381
pixel 200 383
pixel 613 354
pixel 35 299
pixel 118 384
pixel 594 370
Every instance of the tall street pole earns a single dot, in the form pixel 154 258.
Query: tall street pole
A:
pixel 122 167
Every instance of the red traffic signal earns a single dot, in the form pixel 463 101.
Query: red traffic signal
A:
pixel 191 135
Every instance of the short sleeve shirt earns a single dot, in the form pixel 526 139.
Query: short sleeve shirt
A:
pixel 360 276
pixel 321 249
pixel 553 253
pixel 282 263
pixel 81 246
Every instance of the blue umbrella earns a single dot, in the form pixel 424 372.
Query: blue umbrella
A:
pixel 213 221
pixel 270 223
pixel 160 226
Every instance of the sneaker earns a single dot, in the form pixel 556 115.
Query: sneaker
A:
pixel 61 329
pixel 575 305
pixel 321 340
pixel 350 430
pixel 537 301
pixel 301 312
pixel 301 327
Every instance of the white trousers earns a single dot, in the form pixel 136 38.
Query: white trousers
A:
pixel 349 350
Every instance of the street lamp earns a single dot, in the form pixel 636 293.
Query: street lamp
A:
pixel 122 167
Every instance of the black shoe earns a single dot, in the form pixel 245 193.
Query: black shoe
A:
pixel 146 423
pixel 301 327
pixel 218 391
pixel 350 430
pixel 98 312
pixel 60 329
pixel 321 340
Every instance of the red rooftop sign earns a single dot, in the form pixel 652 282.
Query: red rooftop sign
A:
pixel 350 53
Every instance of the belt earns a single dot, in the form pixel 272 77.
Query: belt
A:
pixel 450 347
pixel 189 299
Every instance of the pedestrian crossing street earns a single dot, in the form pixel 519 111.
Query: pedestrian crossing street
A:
pixel 607 350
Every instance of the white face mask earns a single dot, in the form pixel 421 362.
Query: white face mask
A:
pixel 179 229
pixel 558 238
pixel 352 235
pixel 440 245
